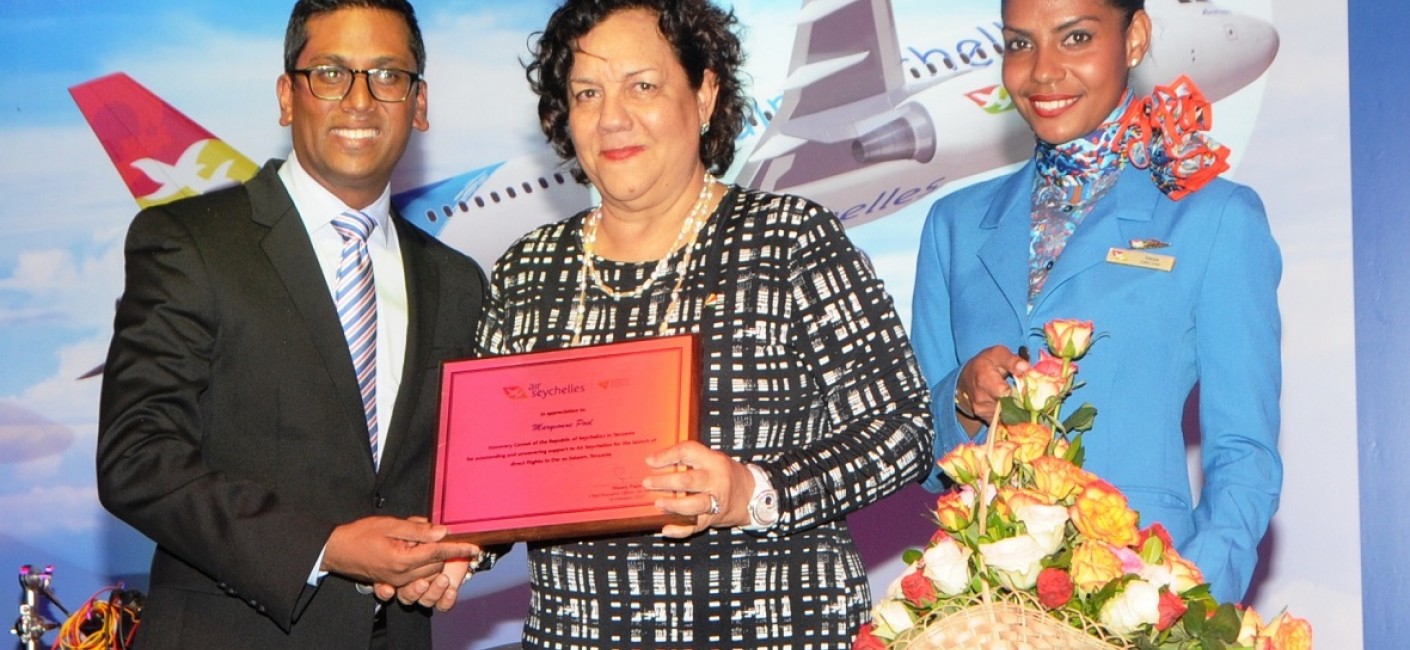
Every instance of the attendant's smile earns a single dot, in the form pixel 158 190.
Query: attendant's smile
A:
pixel 1049 106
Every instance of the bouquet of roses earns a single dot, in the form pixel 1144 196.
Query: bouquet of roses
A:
pixel 1025 525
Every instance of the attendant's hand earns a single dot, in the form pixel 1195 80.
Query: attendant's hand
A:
pixel 708 473
pixel 982 381
pixel 439 591
pixel 390 551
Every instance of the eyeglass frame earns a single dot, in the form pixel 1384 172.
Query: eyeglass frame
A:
pixel 307 73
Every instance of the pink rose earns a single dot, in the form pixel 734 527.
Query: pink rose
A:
pixel 866 640
pixel 918 589
pixel 1054 587
pixel 1054 366
pixel 1068 338
pixel 1172 607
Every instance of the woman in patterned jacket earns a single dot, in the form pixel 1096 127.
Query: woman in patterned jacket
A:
pixel 813 405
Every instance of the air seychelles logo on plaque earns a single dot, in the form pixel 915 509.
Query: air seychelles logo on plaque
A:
pixel 539 391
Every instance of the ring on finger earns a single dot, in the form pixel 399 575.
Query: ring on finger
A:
pixel 714 505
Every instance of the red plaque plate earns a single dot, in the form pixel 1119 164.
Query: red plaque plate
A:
pixel 549 445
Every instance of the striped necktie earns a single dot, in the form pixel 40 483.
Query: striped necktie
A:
pixel 357 309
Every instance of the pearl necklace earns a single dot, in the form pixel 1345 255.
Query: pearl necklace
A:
pixel 690 229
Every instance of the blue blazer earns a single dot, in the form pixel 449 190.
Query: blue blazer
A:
pixel 1212 320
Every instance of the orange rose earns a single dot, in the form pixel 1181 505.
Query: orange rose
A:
pixel 1290 633
pixel 1000 460
pixel 1184 575
pixel 1068 338
pixel 1101 513
pixel 965 463
pixel 1012 498
pixel 1034 389
pixel 1249 625
pixel 1031 439
pixel 1058 479
pixel 954 508
pixel 1093 565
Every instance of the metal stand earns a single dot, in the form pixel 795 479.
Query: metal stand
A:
pixel 31 625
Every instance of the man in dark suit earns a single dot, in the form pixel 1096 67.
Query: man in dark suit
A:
pixel 270 395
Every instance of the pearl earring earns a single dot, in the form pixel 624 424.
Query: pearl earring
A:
pixel 704 128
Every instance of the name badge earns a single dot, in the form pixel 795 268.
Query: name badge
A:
pixel 1141 259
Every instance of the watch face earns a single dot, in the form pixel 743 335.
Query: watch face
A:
pixel 764 508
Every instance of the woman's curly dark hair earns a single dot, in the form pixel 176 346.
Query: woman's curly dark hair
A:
pixel 702 37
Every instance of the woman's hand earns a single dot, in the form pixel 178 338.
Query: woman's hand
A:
pixel 982 381
pixel 713 488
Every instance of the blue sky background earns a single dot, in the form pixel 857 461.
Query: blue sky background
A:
pixel 66 210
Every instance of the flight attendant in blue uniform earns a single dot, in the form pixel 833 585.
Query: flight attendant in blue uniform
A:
pixel 1119 219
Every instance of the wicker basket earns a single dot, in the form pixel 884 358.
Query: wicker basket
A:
pixel 1011 621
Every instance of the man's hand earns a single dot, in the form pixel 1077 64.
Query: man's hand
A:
pixel 390 550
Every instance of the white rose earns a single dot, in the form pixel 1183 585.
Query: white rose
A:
pixel 894 589
pixel 947 565
pixel 1158 575
pixel 1045 523
pixel 892 617
pixel 1137 605
pixel 1016 561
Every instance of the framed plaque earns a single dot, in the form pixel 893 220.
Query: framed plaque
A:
pixel 549 445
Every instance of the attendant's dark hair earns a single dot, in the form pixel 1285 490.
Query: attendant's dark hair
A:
pixel 296 35
pixel 1128 7
pixel 702 37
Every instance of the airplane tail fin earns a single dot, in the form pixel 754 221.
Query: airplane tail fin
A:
pixel 161 154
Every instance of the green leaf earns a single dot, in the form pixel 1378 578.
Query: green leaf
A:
pixel 1194 618
pixel 1224 625
pixel 1081 419
pixel 1010 412
pixel 1153 550
pixel 911 555
pixel 1075 453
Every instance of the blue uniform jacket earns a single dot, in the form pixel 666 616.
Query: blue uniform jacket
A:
pixel 1212 320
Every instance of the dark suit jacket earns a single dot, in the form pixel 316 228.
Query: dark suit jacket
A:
pixel 231 429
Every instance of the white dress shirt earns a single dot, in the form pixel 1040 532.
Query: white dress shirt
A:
pixel 317 207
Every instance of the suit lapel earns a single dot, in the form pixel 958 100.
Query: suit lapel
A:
pixel 1132 199
pixel 422 288
pixel 1005 253
pixel 290 252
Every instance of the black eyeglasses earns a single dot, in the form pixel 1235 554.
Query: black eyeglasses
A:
pixel 333 82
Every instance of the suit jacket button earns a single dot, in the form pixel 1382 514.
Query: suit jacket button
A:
pixel 379 502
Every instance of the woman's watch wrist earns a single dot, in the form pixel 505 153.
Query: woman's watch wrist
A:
pixel 763 503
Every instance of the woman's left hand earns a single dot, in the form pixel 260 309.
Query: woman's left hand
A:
pixel 710 480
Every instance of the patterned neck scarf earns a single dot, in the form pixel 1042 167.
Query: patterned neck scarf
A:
pixel 1161 133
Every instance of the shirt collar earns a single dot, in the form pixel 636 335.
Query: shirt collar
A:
pixel 317 206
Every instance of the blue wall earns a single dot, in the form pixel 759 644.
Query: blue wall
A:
pixel 1380 132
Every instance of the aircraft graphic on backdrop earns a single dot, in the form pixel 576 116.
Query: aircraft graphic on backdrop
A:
pixel 864 124
pixel 867 126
